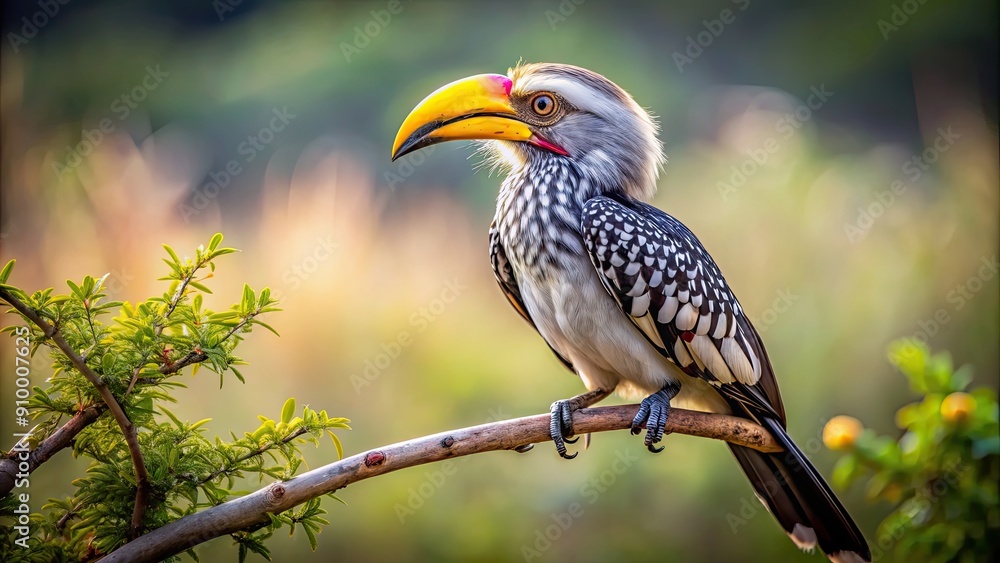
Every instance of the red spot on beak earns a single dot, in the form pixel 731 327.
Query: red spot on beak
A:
pixel 504 82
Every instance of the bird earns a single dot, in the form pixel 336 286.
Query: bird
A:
pixel 624 294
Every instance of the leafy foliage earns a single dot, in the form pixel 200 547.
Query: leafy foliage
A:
pixel 139 354
pixel 941 476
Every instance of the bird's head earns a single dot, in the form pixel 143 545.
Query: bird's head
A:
pixel 542 111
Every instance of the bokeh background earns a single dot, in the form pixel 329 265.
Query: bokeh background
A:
pixel 383 267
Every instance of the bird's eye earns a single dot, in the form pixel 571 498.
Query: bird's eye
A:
pixel 543 104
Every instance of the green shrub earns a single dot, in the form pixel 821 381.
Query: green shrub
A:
pixel 941 475
pixel 140 355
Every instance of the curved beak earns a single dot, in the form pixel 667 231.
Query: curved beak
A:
pixel 477 107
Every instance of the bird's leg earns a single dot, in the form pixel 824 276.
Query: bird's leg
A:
pixel 561 423
pixel 653 411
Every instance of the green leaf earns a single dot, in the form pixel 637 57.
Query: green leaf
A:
pixel 76 289
pixel 200 423
pixel 267 326
pixel 311 535
pixel 338 445
pixel 100 281
pixel 173 255
pixel 108 363
pixel 145 405
pixel 214 243
pixel 288 410
pixel 7 269
pixel 200 287
pixel 249 300
pixel 223 316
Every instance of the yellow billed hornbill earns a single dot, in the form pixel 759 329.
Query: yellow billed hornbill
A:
pixel 624 294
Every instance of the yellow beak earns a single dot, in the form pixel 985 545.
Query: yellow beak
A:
pixel 477 107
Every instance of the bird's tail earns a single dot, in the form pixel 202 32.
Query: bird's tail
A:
pixel 801 501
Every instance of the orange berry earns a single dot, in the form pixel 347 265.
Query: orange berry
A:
pixel 842 432
pixel 958 407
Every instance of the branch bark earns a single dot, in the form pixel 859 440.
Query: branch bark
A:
pixel 64 436
pixel 248 511
pixel 10 469
pixel 128 429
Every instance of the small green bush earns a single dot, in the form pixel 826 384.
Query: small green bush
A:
pixel 941 476
pixel 140 355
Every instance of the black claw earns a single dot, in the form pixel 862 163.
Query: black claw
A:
pixel 641 416
pixel 561 420
pixel 561 427
pixel 653 411
pixel 524 448
pixel 557 429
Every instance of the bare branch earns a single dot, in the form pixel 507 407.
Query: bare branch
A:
pixel 252 510
pixel 128 429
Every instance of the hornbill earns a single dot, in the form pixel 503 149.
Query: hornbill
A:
pixel 624 294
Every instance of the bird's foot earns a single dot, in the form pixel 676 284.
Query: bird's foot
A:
pixel 561 423
pixel 653 411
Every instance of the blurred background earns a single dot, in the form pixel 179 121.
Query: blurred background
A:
pixel 871 216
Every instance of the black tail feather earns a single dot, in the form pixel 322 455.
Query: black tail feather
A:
pixel 798 497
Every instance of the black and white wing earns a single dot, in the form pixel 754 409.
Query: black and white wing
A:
pixel 508 284
pixel 672 290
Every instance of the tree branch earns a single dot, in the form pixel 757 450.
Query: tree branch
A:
pixel 64 436
pixel 61 438
pixel 251 510
pixel 128 429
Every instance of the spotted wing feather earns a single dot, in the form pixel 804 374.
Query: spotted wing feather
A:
pixel 672 290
